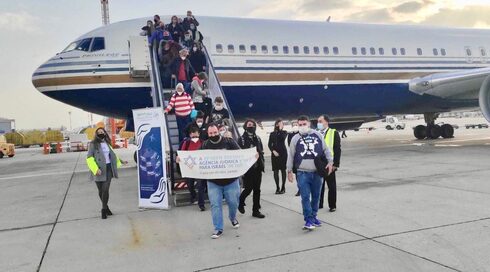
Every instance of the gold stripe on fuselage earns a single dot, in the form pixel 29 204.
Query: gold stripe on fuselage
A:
pixel 82 80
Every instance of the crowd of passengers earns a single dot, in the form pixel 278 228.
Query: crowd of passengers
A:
pixel 179 47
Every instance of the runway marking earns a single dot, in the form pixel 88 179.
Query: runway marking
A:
pixel 446 145
pixel 39 175
pixel 467 140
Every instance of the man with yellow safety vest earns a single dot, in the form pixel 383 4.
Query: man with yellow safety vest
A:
pixel 332 141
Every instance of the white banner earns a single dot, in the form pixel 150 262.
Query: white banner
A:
pixel 152 177
pixel 216 164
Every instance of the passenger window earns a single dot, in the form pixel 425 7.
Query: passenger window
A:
pixel 316 50
pixel 435 52
pixel 306 49
pixel 231 48
pixel 253 49
pixel 372 51
pixel 363 51
pixel 265 50
pixel 483 52
pixel 468 52
pixel 336 50
pixel 285 49
pixel 242 48
pixel 84 44
pixel 354 50
pixel 296 49
pixel 394 51
pixel 443 51
pixel 98 44
pixel 325 50
pixel 219 48
pixel 275 49
pixel 419 51
pixel 403 51
pixel 381 51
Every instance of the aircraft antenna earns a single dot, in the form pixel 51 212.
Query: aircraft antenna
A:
pixel 104 4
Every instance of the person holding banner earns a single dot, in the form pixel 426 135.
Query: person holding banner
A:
pixel 182 102
pixel 305 150
pixel 253 178
pixel 103 163
pixel 229 188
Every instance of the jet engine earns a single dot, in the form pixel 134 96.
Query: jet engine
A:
pixel 484 98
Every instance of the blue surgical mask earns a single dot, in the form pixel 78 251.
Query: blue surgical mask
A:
pixel 320 126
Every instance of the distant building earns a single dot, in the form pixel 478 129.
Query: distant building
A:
pixel 6 125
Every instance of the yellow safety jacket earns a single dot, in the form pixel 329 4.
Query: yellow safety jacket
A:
pixel 329 139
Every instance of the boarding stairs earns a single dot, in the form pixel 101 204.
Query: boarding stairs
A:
pixel 161 97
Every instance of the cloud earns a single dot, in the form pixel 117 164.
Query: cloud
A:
pixel 21 21
pixel 408 7
pixel 469 16
pixel 381 15
pixel 316 6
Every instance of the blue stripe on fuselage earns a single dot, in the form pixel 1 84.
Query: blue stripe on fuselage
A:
pixel 271 102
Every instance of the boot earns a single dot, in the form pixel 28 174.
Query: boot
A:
pixel 108 211
pixel 103 214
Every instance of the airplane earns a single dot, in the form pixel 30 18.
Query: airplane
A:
pixel 353 72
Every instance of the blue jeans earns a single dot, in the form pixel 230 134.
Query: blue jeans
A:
pixel 182 122
pixel 231 192
pixel 310 184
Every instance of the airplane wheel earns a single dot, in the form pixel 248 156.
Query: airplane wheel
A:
pixel 135 157
pixel 420 132
pixel 447 131
pixel 434 131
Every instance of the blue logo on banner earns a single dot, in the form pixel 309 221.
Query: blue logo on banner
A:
pixel 152 181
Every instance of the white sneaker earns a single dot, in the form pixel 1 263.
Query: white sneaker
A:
pixel 235 224
pixel 216 234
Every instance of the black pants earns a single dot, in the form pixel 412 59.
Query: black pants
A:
pixel 332 191
pixel 276 178
pixel 251 181
pixel 103 187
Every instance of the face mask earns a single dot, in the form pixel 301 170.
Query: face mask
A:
pixel 187 37
pixel 194 49
pixel 304 129
pixel 218 108
pixel 101 136
pixel 193 27
pixel 180 92
pixel 222 133
pixel 295 128
pixel 194 140
pixel 199 124
pixel 189 17
pixel 215 138
pixel 320 126
pixel 251 129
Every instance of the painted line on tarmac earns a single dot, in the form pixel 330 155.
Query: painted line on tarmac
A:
pixel 26 227
pixel 58 215
pixel 467 140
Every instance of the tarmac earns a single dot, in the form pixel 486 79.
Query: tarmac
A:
pixel 403 205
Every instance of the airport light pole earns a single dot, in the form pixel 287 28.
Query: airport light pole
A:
pixel 69 114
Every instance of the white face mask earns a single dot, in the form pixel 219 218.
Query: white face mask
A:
pixel 195 140
pixel 199 124
pixel 218 108
pixel 179 92
pixel 304 129
pixel 194 49
pixel 295 128
pixel 222 133
pixel 183 58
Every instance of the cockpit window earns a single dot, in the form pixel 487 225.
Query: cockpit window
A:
pixel 98 44
pixel 84 45
pixel 71 47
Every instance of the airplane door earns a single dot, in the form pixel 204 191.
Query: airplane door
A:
pixel 468 54
pixel 483 54
pixel 139 56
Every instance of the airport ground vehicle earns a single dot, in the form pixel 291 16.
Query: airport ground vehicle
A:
pixel 393 123
pixel 476 126
pixel 6 149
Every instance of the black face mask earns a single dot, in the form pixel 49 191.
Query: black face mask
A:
pixel 214 138
pixel 250 129
pixel 101 137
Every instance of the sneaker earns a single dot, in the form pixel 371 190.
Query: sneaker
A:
pixel 235 224
pixel 241 208
pixel 217 234
pixel 333 209
pixel 297 194
pixel 202 208
pixel 308 225
pixel 316 222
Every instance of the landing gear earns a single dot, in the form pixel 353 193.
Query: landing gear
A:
pixel 432 130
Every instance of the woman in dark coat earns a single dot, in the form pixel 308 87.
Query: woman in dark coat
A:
pixel 277 145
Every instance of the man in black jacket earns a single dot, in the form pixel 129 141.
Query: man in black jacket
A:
pixel 182 69
pixel 332 140
pixel 253 178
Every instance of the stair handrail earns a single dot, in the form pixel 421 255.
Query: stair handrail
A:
pixel 159 91
pixel 211 69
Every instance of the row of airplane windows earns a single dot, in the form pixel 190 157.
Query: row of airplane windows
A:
pixel 326 50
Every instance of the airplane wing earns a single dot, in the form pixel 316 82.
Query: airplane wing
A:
pixel 467 84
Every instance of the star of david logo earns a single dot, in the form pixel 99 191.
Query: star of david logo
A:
pixel 190 161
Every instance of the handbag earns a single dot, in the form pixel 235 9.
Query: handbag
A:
pixel 320 161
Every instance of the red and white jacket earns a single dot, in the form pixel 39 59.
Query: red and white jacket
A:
pixel 182 103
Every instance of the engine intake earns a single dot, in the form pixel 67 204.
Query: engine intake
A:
pixel 484 98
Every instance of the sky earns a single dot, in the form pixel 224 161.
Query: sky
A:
pixel 32 31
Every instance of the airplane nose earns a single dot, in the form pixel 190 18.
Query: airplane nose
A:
pixel 39 78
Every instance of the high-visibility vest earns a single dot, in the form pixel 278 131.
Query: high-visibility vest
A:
pixel 329 139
